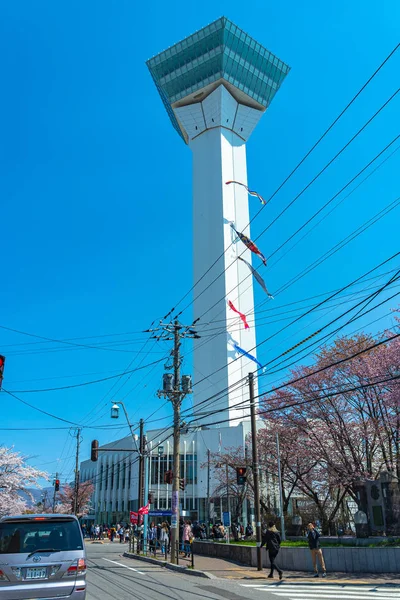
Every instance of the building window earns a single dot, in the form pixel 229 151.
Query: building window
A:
pixel 129 475
pixel 159 466
pixel 106 481
pixel 123 475
pixel 191 468
pixel 118 468
pixel 112 477
pixel 101 477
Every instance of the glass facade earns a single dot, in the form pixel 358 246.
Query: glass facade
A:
pixel 160 465
pixel 219 51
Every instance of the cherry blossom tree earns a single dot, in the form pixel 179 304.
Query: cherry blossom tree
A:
pixel 15 477
pixel 66 498
pixel 336 426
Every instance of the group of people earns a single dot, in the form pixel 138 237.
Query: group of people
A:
pixel 99 532
pixel 271 539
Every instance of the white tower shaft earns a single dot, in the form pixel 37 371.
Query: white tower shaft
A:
pixel 219 155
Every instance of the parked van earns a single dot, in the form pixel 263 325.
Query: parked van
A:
pixel 42 556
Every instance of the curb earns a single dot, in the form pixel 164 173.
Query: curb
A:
pixel 171 567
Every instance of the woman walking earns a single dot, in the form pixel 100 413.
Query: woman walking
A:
pixel 164 538
pixel 187 537
pixel 272 541
pixel 152 538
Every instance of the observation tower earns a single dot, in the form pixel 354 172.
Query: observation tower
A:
pixel 215 86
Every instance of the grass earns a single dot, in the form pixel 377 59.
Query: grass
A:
pixel 393 543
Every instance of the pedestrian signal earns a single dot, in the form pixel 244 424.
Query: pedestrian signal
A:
pixel 182 484
pixel 241 475
pixel 168 477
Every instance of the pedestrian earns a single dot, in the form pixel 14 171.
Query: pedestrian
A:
pixel 121 533
pixel 152 538
pixel 112 534
pixel 187 537
pixel 97 532
pixel 315 547
pixel 249 530
pixel 164 538
pixel 272 541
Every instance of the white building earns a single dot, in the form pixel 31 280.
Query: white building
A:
pixel 115 474
pixel 215 85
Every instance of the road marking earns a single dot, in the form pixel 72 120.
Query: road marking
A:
pixel 122 565
pixel 326 592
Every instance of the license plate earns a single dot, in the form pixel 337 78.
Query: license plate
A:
pixel 36 573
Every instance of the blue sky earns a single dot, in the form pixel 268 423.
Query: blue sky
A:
pixel 95 189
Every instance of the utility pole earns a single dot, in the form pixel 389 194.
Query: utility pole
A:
pixel 141 465
pixel 76 485
pixel 283 534
pixel 176 403
pixel 175 390
pixel 208 487
pixel 54 495
pixel 228 500
pixel 255 470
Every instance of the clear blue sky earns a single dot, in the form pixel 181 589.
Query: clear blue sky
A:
pixel 95 186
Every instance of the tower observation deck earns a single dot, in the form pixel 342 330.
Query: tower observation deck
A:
pixel 215 85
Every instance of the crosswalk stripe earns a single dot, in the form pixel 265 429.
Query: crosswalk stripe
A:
pixel 367 596
pixel 325 592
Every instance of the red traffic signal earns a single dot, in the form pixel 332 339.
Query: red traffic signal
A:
pixel 168 477
pixel 2 361
pixel 94 455
pixel 57 485
pixel 241 477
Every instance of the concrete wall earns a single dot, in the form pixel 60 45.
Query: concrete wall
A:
pixel 345 560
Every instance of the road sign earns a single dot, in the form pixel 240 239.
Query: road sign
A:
pixel 160 450
pixel 226 519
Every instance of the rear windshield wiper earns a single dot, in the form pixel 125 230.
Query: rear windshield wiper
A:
pixel 43 550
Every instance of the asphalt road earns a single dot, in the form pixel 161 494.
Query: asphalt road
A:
pixel 113 577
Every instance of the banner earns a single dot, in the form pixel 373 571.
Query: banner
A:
pixel 133 517
pixel 144 510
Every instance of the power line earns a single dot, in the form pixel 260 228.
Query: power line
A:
pixel 76 385
pixel 289 176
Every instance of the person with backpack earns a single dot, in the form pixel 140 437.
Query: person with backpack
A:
pixel 272 541
pixel 249 530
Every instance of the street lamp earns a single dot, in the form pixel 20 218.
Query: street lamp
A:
pixel 115 411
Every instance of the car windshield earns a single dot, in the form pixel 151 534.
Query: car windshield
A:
pixel 20 536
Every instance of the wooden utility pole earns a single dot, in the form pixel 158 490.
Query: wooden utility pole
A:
pixel 54 495
pixel 176 403
pixel 255 470
pixel 176 394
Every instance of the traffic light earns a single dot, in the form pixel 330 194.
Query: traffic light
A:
pixel 2 361
pixel 241 475
pixel 182 484
pixel 57 485
pixel 94 455
pixel 168 477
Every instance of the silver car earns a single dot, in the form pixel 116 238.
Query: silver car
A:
pixel 42 556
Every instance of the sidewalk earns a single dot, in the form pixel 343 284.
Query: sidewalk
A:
pixel 225 569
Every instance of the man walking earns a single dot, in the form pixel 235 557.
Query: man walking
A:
pixel 316 552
